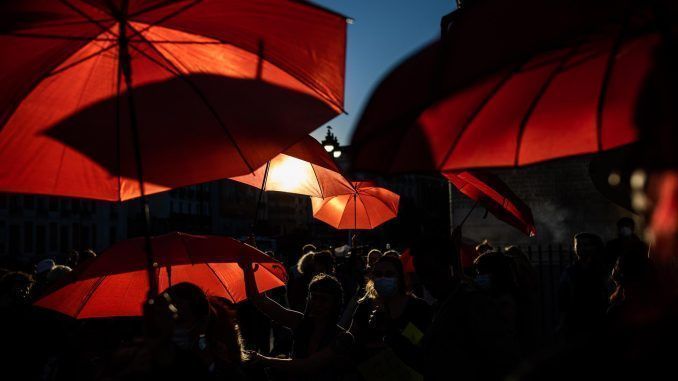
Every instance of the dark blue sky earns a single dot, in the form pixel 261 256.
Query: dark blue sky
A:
pixel 383 33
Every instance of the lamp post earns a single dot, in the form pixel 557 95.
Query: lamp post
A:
pixel 331 143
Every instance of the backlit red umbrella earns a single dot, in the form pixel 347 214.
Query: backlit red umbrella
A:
pixel 115 283
pixel 96 92
pixel 510 84
pixel 117 99
pixel 305 168
pixel 495 196
pixel 368 207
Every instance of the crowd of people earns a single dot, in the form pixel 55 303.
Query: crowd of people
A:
pixel 365 317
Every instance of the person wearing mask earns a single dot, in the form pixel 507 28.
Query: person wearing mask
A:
pixel 466 339
pixel 320 347
pixel 189 335
pixel 387 315
pixel 582 291
pixel 494 275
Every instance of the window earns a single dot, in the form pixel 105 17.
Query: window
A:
pixel 14 240
pixel 41 239
pixel 64 241
pixel 112 235
pixel 53 236
pixel 28 237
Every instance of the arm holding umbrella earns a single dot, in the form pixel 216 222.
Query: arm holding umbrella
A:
pixel 284 316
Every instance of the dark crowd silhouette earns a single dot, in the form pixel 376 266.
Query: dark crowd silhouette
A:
pixel 366 315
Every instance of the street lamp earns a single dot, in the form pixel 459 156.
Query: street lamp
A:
pixel 331 143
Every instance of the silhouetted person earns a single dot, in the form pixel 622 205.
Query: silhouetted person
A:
pixel 494 275
pixel 527 281
pixel 388 313
pixel 582 292
pixel 321 348
pixel 626 238
pixel 466 340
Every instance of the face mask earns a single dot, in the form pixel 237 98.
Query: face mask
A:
pixel 386 286
pixel 483 281
pixel 182 338
pixel 625 232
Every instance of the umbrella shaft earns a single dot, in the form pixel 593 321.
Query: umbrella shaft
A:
pixel 125 63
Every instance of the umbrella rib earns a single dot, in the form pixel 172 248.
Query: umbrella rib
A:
pixel 86 16
pixel 538 97
pixel 54 36
pixel 317 179
pixel 607 76
pixel 163 4
pixel 91 292
pixel 198 92
pixel 300 78
pixel 474 114
pixel 220 281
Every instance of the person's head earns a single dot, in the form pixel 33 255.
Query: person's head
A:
pixel 87 255
pixel 72 258
pixel 387 278
pixel 57 272
pixel 305 264
pixel 588 247
pixel 372 257
pixel 494 272
pixel 323 262
pixel 308 248
pixel 433 258
pixel 325 297
pixel 43 267
pixel 15 288
pixel 625 227
pixel 192 315
pixel 484 247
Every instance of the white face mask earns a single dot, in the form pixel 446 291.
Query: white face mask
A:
pixel 625 231
pixel 386 286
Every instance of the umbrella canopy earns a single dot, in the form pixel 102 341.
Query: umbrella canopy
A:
pixel 538 81
pixel 115 283
pixel 305 168
pixel 368 207
pixel 495 196
pixel 216 89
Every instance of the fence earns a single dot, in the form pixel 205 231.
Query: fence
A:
pixel 549 262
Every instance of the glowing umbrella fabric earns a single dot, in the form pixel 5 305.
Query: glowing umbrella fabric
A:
pixel 495 196
pixel 368 207
pixel 511 84
pixel 115 283
pixel 95 93
pixel 305 168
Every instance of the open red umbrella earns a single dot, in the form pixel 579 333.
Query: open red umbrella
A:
pixel 368 207
pixel 95 93
pixel 305 168
pixel 115 283
pixel 495 196
pixel 117 99
pixel 513 83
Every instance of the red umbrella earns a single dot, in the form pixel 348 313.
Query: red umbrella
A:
pixel 305 168
pixel 113 100
pixel 368 207
pixel 115 283
pixel 510 84
pixel 95 92
pixel 495 196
